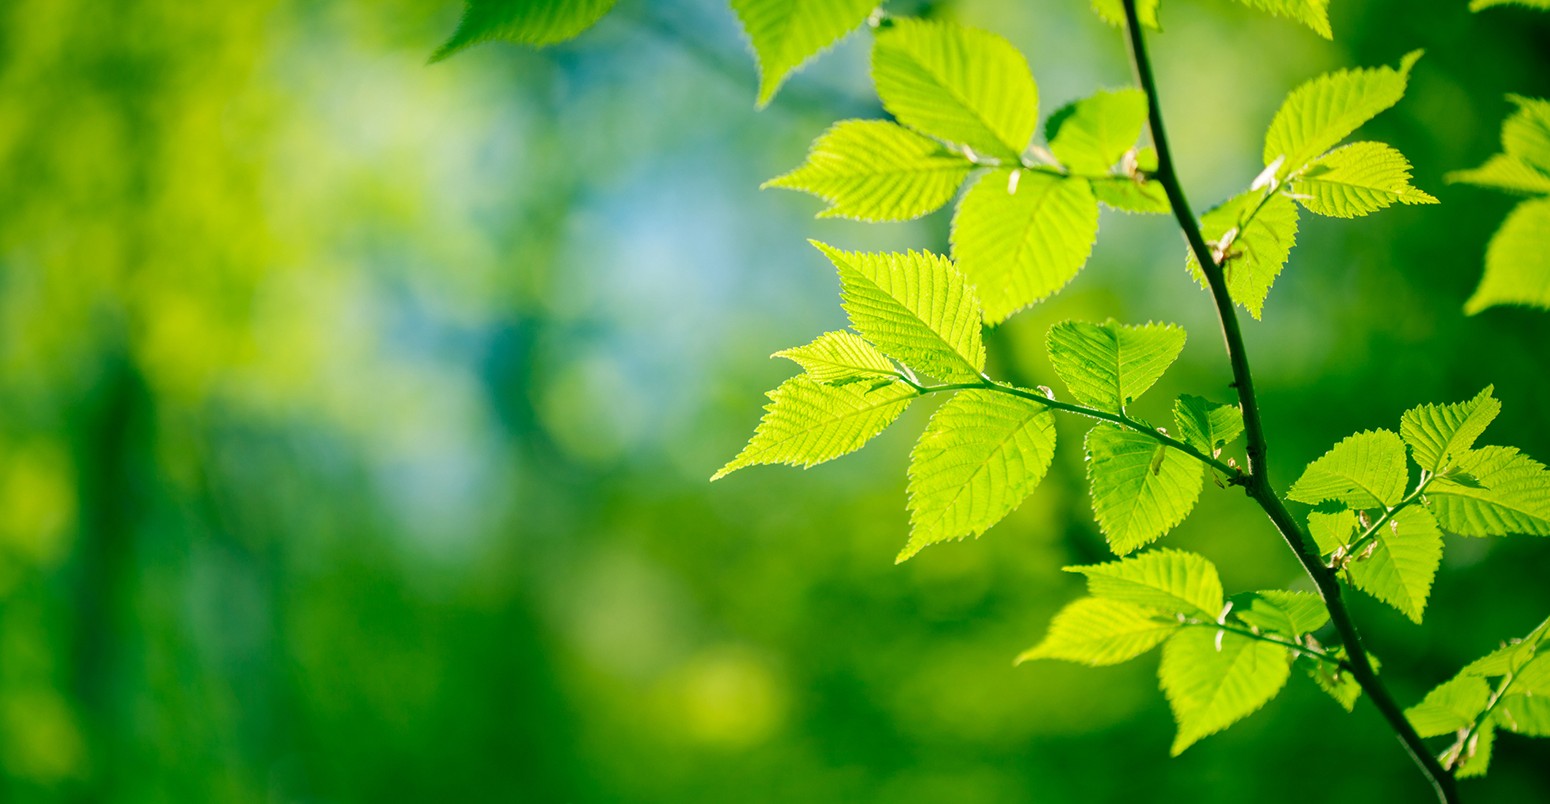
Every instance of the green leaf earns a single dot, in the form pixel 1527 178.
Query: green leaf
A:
pixel 1451 706
pixel 1526 132
pixel 1290 614
pixel 982 454
pixel 1110 365
pixel 1021 235
pixel 874 170
pixel 1167 581
pixel 1206 425
pixel 807 423
pixel 1512 495
pixel 1112 12
pixel 1437 434
pixel 1477 5
pixel 1331 531
pixel 1340 685
pixel 1312 13
pixel 527 22
pixel 1503 172
pixel 1252 236
pixel 1140 488
pixel 1528 715
pixel 1215 678
pixel 1366 470
pixel 915 307
pixel 1129 195
pixel 1509 658
pixel 1476 757
pixel 1404 560
pixel 1319 114
pixel 1092 135
pixel 837 358
pixel 957 84
pixel 1101 632
pixel 786 33
pixel 1517 263
pixel 1357 179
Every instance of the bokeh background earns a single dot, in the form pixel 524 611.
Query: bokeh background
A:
pixel 357 417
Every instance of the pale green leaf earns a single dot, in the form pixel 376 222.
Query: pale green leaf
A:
pixel 1252 236
pixel 1129 195
pixel 1366 470
pixel 1503 172
pixel 1319 114
pixel 1312 13
pixel 1167 581
pixel 1110 365
pixel 1510 657
pixel 1524 714
pixel 1101 632
pixel 1331 531
pixel 807 423
pixel 957 84
pixel 1140 488
pixel 1517 262
pixel 1290 614
pixel 1206 425
pixel 1526 132
pixel 1449 707
pixel 1215 678
pixel 874 170
pixel 1511 495
pixel 1405 556
pixel 526 22
pixel 1021 235
pixel 916 308
pixel 1437 434
pixel 786 33
pixel 1477 5
pixel 1092 135
pixel 982 454
pixel 1112 12
pixel 1476 757
pixel 840 357
pixel 1357 179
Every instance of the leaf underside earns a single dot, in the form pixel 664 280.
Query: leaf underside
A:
pixel 536 23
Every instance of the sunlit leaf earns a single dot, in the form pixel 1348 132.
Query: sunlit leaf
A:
pixel 1092 135
pixel 808 423
pixel 874 170
pixel 1215 678
pixel 840 357
pixel 1357 179
pixel 1253 235
pixel 1110 365
pixel 1405 556
pixel 1312 13
pixel 1437 434
pixel 1205 425
pixel 1100 632
pixel 1140 488
pixel 1366 470
pixel 786 33
pixel 1511 494
pixel 1449 707
pixel 1319 114
pixel 526 22
pixel 1167 581
pixel 1290 614
pixel 1517 262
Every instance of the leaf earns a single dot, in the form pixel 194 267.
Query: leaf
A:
pixel 1129 195
pixel 807 423
pixel 1340 685
pixel 982 454
pixel 1166 581
pixel 1092 135
pixel 786 33
pixel 1526 132
pixel 1112 12
pixel 837 358
pixel 1140 488
pixel 1101 632
pixel 1476 757
pixel 1503 172
pixel 957 84
pixel 874 170
pixel 1437 434
pixel 1110 365
pixel 1253 235
pixel 1449 707
pixel 1331 531
pixel 1312 13
pixel 527 22
pixel 1509 658
pixel 1528 715
pixel 1357 179
pixel 1319 114
pixel 1206 425
pixel 1366 470
pixel 1022 235
pixel 1404 560
pixel 1477 5
pixel 1290 614
pixel 1513 495
pixel 1517 263
pixel 1210 689
pixel 915 307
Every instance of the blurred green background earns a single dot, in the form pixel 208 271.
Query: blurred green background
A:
pixel 357 417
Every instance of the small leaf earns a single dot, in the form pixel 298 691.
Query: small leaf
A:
pixel 1451 706
pixel 1517 264
pixel 1526 132
pixel 1312 13
pixel 1341 685
pixel 1110 365
pixel 1134 503
pixel 1478 5
pixel 1022 235
pixel 837 358
pixel 786 33
pixel 1092 135
pixel 957 84
pixel 1128 195
pixel 1290 614
pixel 1476 756
pixel 1366 470
pixel 1253 234
pixel 527 22
pixel 1210 689
pixel 1503 172
pixel 1509 658
pixel 1331 531
pixel 1166 581
pixel 1512 495
pixel 1112 12
pixel 915 307
pixel 1403 563
pixel 1528 715
pixel 982 454
pixel 1357 179
pixel 1437 434
pixel 874 170
pixel 1319 114
pixel 807 423
pixel 1101 632
pixel 1205 425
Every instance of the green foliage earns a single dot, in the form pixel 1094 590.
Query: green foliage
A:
pixel 874 170
pixel 1319 114
pixel 1098 632
pixel 1439 434
pixel 1402 562
pixel 527 22
pixel 1140 489
pixel 786 33
pixel 1092 136
pixel 1517 262
pixel 840 357
pixel 1110 365
pixel 1312 13
pixel 1499 492
pixel 1213 679
pixel 1292 614
pixel 1366 470
pixel 1357 179
pixel 1334 679
pixel 1166 581
pixel 1112 12
pixel 1478 5
pixel 808 423
pixel 1205 425
pixel 1252 235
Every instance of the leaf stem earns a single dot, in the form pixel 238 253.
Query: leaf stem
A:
pixel 1263 637
pixel 1371 533
pixel 1257 483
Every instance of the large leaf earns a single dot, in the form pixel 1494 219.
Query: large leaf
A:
pixel 1253 235
pixel 1366 470
pixel 1021 235
pixel 1215 678
pixel 1205 425
pixel 1450 706
pixel 1140 488
pixel 1101 632
pixel 1167 581
pixel 874 170
pixel 1092 135
pixel 1290 614
pixel 840 357
pixel 807 423
pixel 1110 365
pixel 527 22
pixel 916 308
pixel 1324 111
pixel 1357 179
pixel 1437 434
pixel 1312 13
pixel 1509 493
pixel 1405 556
pixel 786 33
pixel 982 454
pixel 1517 263
pixel 957 84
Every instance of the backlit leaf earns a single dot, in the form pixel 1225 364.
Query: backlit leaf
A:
pixel 1110 365
pixel 1437 434
pixel 808 423
pixel 1205 425
pixel 1333 530
pixel 1517 262
pixel 1357 179
pixel 1511 495
pixel 874 170
pixel 1312 13
pixel 1404 560
pixel 1253 235
pixel 526 22
pixel 1290 614
pixel 840 357
pixel 1366 470
pixel 1319 114
pixel 1450 706
pixel 1167 581
pixel 1091 136
pixel 1503 172
pixel 1210 689
pixel 786 33
pixel 1140 488
pixel 1101 632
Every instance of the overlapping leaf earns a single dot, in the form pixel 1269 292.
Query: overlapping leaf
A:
pixel 1438 434
pixel 1523 166
pixel 786 33
pixel 1140 488
pixel 1253 235
pixel 1478 5
pixel 1113 12
pixel 874 170
pixel 1290 614
pixel 808 423
pixel 1312 13
pixel 1508 493
pixel 1339 684
pixel 840 357
pixel 1109 365
pixel 1319 114
pixel 526 22
pixel 1357 179
pixel 1100 632
pixel 1517 262
pixel 1366 470
pixel 1092 135
pixel 1405 556
pixel 1165 581
pixel 1215 678
pixel 1205 425
pixel 1449 707
pixel 1332 530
